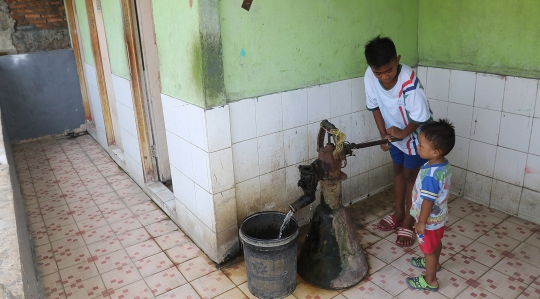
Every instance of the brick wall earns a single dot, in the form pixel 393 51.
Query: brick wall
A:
pixel 36 14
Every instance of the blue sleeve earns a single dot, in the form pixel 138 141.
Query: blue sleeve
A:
pixel 430 188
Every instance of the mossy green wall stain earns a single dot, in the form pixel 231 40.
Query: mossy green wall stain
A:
pixel 494 36
pixel 179 49
pixel 84 32
pixel 293 44
pixel 116 41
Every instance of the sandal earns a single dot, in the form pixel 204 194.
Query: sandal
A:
pixel 419 283
pixel 391 223
pixel 405 233
pixel 420 262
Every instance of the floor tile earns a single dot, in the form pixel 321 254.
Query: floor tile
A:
pixel 171 239
pixel 71 243
pixel 365 290
pixel 305 290
pixel 81 204
pixel 414 294
pixel 501 285
pixel 470 229
pixel 52 283
pixel 126 225
pixel 118 215
pixel 113 205
pixel 184 292
pixel 534 239
pixel 55 202
pixel 44 252
pixel 92 223
pixel 212 285
pixel 143 207
pixel 133 237
pixel 514 231
pixel 153 264
pixel 111 261
pixel 138 289
pixel 87 213
pixel 60 232
pixel 465 267
pixel 69 257
pixel 135 199
pixel 98 234
pixel 119 277
pixel 152 217
pixel 232 294
pixel 386 251
pixel 100 190
pixel 104 247
pixel 482 254
pixel 90 288
pixel 183 252
pixel 499 241
pixel 390 279
pixel 528 253
pixel 105 197
pixel 450 284
pixel 116 178
pixel 77 197
pixel 129 191
pixel 47 266
pixel 374 263
pixel 367 238
pixel 165 281
pixel 196 267
pixel 403 263
pixel 142 250
pixel 530 293
pixel 455 241
pixel 60 221
pixel 80 272
pixel 161 228
pixel 517 269
pixel 372 227
pixel 236 272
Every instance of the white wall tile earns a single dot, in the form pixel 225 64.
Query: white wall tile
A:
pixel 460 153
pixel 505 197
pixel 515 131
pixel 296 145
pixel 273 190
pixel 485 125
pixel 529 207
pixel 126 118
pixel 225 210
pixel 184 158
pixel 122 91
pixel 358 187
pixel 221 170
pixel 205 207
pixel 245 160
pixel 358 94
pixel 248 198
pixel 269 114
pixel 292 175
pixel 343 123
pixel 439 108
pixel 532 173
pixel 422 75
pixel 360 125
pixel 197 126
pixel 218 128
pixel 478 188
pixel 520 95
pixel 489 91
pixel 318 103
pixel 376 179
pixel 181 121
pixel 481 158
pixel 134 168
pixel 91 75
pixel 510 166
pixel 457 183
pixel 462 87
pixel 184 189
pixel 461 118
pixel 201 168
pixel 377 157
pixel 340 98
pixel 295 107
pixel 243 121
pixel 534 146
pixel 170 119
pixel 359 163
pixel 537 105
pixel 313 131
pixel 439 83
pixel 130 144
pixel 271 154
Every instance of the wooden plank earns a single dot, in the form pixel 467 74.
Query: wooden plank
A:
pixel 76 43
pixel 109 130
pixel 131 36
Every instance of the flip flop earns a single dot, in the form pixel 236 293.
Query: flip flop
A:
pixel 405 233
pixel 391 223
pixel 420 262
pixel 419 283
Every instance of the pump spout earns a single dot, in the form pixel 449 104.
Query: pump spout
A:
pixel 309 178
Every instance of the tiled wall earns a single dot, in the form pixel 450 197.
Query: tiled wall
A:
pixel 497 154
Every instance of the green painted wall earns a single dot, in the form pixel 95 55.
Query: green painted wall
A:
pixel 116 42
pixel 176 24
pixel 283 45
pixel 84 32
pixel 493 36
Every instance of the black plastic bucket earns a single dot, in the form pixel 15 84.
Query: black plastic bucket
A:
pixel 270 262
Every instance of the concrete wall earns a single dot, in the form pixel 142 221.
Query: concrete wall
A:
pixel 497 154
pixel 284 45
pixel 7 27
pixel 499 36
pixel 40 94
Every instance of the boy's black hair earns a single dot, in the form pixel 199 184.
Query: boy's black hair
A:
pixel 440 134
pixel 380 51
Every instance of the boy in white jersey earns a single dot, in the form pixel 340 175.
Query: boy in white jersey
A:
pixel 430 200
pixel 399 105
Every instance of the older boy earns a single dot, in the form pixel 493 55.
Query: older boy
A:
pixel 399 105
pixel 430 200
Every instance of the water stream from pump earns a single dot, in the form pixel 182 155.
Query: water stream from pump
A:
pixel 285 222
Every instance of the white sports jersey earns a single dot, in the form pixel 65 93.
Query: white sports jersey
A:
pixel 405 102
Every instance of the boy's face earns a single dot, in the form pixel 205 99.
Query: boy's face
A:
pixel 387 73
pixel 424 148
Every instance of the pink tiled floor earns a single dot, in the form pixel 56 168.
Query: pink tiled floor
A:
pixel 97 235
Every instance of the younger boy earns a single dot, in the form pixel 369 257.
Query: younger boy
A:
pixel 399 105
pixel 429 200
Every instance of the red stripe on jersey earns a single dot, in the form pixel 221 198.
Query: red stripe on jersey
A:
pixel 405 84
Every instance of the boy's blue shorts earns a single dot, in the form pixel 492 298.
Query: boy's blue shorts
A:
pixel 408 161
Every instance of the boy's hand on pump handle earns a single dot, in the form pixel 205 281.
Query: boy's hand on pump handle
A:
pixel 391 132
